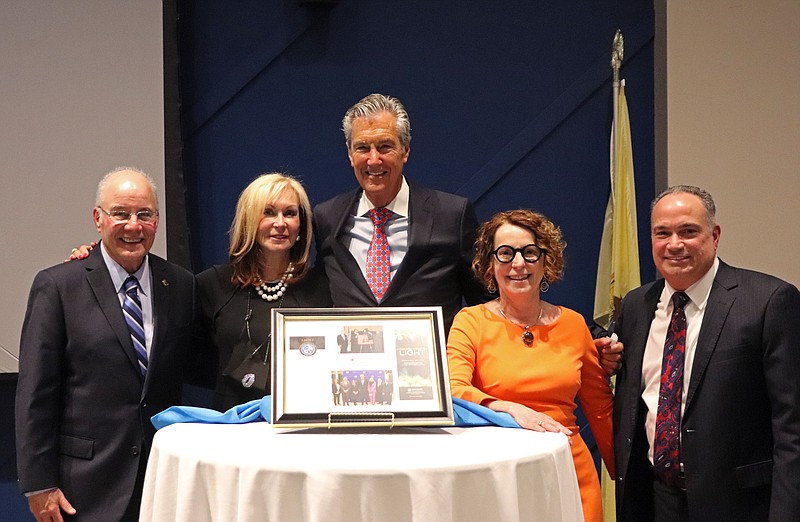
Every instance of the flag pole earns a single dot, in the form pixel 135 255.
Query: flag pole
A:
pixel 618 263
pixel 617 52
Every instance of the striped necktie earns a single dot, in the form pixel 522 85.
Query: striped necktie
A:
pixel 132 309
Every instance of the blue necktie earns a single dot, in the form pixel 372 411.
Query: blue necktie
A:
pixel 132 309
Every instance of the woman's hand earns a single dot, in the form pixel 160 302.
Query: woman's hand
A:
pixel 611 352
pixel 528 418
pixel 82 252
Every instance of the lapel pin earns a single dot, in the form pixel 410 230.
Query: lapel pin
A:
pixel 165 282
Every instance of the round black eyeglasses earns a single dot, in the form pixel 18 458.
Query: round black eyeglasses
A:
pixel 530 253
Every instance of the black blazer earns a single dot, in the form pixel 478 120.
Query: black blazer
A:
pixel 741 425
pixel 436 269
pixel 82 408
pixel 223 310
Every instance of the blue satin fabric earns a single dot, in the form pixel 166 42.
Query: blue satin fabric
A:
pixel 466 414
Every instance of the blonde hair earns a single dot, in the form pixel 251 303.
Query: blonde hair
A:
pixel 243 251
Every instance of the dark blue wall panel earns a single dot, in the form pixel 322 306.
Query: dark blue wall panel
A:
pixel 510 105
pixel 13 506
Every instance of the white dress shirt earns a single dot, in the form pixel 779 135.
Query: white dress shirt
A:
pixel 654 350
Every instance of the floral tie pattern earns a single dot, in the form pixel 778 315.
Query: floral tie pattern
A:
pixel 666 452
pixel 378 254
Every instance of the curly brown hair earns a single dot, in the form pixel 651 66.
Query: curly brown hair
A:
pixel 547 237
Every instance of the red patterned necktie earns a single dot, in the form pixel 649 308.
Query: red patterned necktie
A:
pixel 666 452
pixel 378 254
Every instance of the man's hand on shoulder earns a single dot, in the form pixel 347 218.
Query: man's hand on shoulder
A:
pixel 47 505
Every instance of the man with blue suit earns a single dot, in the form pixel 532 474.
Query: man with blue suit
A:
pixel 103 347
pixel 733 452
pixel 430 233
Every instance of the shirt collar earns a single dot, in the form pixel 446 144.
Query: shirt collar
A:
pixel 119 274
pixel 700 290
pixel 399 205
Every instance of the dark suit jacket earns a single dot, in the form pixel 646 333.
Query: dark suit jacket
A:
pixel 223 310
pixel 341 340
pixel 741 426
pixel 83 411
pixel 436 269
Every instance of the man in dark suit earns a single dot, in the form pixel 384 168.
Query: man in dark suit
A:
pixel 85 394
pixel 341 341
pixel 430 233
pixel 734 450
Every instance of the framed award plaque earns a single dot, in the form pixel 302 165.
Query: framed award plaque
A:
pixel 344 367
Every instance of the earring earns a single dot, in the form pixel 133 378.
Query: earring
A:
pixel 490 286
pixel 544 286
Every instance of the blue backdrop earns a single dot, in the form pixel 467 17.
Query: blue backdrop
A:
pixel 510 105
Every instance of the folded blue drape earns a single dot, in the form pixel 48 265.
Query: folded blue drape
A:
pixel 466 414
pixel 470 414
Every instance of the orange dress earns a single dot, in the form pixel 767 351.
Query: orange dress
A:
pixel 488 360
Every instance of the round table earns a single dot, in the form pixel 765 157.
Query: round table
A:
pixel 224 472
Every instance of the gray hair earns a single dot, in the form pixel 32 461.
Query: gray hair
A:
pixel 705 198
pixel 375 104
pixel 103 182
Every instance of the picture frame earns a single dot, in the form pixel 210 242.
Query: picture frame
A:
pixel 345 367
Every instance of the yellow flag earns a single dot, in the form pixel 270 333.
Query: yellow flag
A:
pixel 618 264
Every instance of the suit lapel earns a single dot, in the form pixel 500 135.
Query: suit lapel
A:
pixel 642 330
pixel 160 287
pixel 106 295
pixel 339 245
pixel 719 305
pixel 635 337
pixel 420 229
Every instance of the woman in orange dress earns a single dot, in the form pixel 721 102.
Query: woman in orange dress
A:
pixel 521 355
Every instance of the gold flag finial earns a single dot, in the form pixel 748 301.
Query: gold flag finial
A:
pixel 617 51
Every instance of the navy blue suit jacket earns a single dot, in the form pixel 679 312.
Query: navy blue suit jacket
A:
pixel 740 432
pixel 436 269
pixel 82 407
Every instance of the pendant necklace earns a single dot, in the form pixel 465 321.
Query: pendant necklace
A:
pixel 249 378
pixel 527 335
pixel 276 290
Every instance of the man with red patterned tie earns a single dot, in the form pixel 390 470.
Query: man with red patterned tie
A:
pixel 707 407
pixel 392 242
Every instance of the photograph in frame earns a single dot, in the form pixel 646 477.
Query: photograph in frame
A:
pixel 340 367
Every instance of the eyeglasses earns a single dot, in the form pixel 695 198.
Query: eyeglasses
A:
pixel 123 216
pixel 506 254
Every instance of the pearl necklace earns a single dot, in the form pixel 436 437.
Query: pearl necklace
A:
pixel 527 335
pixel 278 289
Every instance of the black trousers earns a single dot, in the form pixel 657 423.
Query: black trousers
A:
pixel 669 503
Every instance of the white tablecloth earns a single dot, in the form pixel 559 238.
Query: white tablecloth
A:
pixel 254 472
